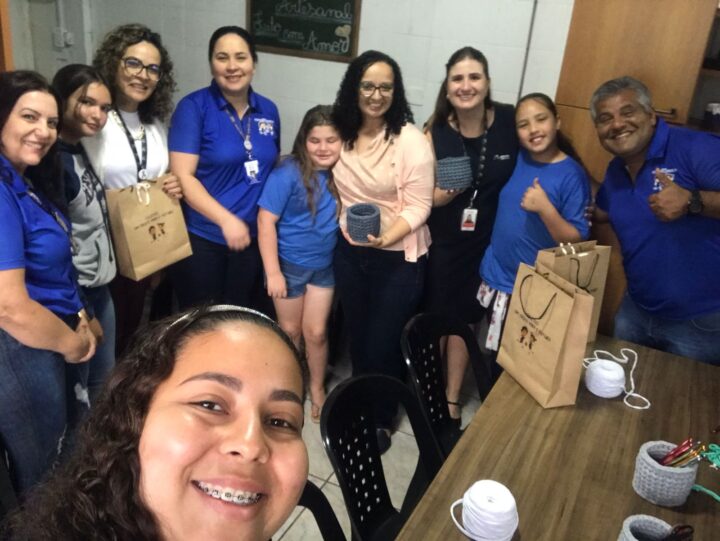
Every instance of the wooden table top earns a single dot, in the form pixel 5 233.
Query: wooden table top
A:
pixel 570 469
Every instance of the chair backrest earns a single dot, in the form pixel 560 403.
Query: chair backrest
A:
pixel 420 344
pixel 348 430
pixel 315 501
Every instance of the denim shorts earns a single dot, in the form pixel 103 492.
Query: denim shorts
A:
pixel 297 278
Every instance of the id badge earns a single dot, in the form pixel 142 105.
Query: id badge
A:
pixel 252 168
pixel 469 219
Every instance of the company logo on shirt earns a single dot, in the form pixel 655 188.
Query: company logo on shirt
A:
pixel 657 187
pixel 266 126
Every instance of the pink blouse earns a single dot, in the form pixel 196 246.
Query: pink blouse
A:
pixel 398 176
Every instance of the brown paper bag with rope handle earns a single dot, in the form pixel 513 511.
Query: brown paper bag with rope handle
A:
pixel 545 333
pixel 148 229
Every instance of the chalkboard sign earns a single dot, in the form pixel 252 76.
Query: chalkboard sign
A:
pixel 324 29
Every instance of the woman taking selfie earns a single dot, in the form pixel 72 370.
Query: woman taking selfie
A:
pixel 385 161
pixel 43 325
pixel 198 437
pixel 224 141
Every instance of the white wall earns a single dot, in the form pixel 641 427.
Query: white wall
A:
pixel 419 34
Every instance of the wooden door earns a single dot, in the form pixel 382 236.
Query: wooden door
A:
pixel 660 42
pixel 5 43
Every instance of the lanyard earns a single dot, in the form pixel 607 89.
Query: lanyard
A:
pixel 52 212
pixel 141 164
pixel 245 136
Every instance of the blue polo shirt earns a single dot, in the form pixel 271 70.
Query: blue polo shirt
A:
pixel 303 240
pixel 672 268
pixel 32 239
pixel 518 234
pixel 201 125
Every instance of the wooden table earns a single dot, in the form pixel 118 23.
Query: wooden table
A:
pixel 570 469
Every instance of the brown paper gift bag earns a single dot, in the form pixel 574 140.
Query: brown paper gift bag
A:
pixel 585 265
pixel 543 341
pixel 148 229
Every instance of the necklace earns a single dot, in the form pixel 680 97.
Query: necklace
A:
pixel 140 160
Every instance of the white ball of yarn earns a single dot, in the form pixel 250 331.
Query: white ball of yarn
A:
pixel 605 378
pixel 489 512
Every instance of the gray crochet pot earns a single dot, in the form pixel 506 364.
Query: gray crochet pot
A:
pixel 363 219
pixel 644 527
pixel 658 484
pixel 454 173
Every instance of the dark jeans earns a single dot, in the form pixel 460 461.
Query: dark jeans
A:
pixel 129 299
pixel 216 274
pixel 379 292
pixel 98 369
pixel 39 393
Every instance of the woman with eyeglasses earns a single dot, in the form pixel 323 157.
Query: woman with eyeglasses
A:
pixel 224 141
pixel 385 160
pixel 133 145
pixel 43 327
pixel 86 103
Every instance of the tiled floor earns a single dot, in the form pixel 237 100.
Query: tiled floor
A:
pixel 399 463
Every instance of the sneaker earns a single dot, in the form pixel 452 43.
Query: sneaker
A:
pixel 383 439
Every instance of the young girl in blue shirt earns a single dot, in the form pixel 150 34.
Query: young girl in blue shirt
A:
pixel 297 231
pixel 542 205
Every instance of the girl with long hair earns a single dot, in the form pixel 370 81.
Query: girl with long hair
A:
pixel 297 232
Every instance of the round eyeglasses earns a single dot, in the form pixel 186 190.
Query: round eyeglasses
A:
pixel 367 89
pixel 133 66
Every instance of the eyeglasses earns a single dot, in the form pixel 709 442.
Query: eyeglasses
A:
pixel 134 66
pixel 367 89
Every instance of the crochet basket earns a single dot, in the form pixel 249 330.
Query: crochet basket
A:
pixel 644 527
pixel 363 219
pixel 454 173
pixel 658 484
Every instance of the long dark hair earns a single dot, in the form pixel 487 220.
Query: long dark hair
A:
pixel 73 76
pixel 320 115
pixel 46 176
pixel 444 110
pixel 244 34
pixel 346 111
pixel 107 59
pixel 563 141
pixel 97 493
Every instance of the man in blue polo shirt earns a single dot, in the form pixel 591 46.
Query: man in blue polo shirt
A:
pixel 661 194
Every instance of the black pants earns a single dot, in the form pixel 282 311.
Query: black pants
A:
pixel 215 274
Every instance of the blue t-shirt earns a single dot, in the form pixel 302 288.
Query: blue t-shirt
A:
pixel 201 125
pixel 302 240
pixel 33 240
pixel 672 268
pixel 518 234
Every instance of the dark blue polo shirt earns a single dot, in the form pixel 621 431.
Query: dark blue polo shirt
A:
pixel 673 268
pixel 32 239
pixel 201 125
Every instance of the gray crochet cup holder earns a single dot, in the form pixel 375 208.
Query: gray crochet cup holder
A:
pixel 644 527
pixel 363 219
pixel 658 484
pixel 454 173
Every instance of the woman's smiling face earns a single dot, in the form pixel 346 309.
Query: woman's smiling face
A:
pixel 221 451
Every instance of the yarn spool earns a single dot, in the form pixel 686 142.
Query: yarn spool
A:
pixel 605 376
pixel 489 512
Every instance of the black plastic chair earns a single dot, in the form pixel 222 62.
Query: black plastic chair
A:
pixel 420 344
pixel 315 501
pixel 348 429
pixel 8 498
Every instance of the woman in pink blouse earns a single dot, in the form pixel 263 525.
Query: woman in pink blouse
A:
pixel 386 161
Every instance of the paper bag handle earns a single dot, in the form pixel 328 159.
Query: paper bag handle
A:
pixel 142 190
pixel 522 304
pixel 577 272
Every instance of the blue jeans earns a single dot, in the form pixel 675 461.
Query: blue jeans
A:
pixel 697 338
pixel 379 292
pixel 98 369
pixel 34 409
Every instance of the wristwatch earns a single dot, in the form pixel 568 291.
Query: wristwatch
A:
pixel 695 203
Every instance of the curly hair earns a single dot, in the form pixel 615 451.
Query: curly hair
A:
pixel 320 115
pixel 346 110
pixel 444 110
pixel 111 51
pixel 46 176
pixel 96 495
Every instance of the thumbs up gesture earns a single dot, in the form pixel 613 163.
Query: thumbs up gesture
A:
pixel 671 202
pixel 535 199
